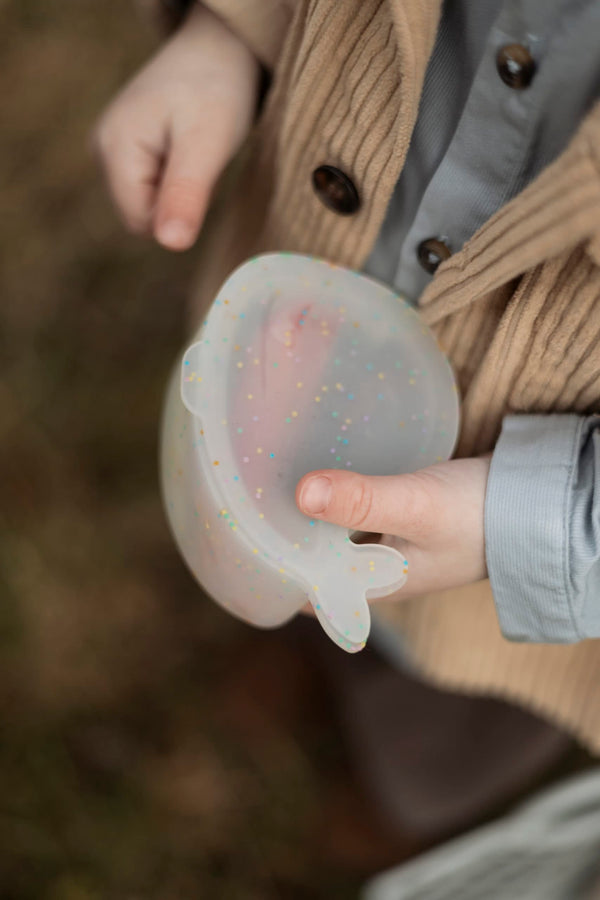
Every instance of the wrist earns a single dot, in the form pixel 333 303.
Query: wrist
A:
pixel 199 19
pixel 203 31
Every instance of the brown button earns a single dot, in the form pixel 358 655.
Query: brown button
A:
pixel 432 252
pixel 516 66
pixel 335 190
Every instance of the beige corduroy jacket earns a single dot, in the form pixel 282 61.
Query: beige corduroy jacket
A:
pixel 517 310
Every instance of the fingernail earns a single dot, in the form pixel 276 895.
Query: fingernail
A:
pixel 175 234
pixel 316 495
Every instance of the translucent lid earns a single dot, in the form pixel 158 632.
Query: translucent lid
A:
pixel 303 365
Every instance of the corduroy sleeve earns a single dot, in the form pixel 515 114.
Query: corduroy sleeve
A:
pixel 261 24
pixel 542 528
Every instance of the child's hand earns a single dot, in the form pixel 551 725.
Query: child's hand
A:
pixel 169 134
pixel 433 516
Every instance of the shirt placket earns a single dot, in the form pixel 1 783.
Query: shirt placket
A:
pixel 485 159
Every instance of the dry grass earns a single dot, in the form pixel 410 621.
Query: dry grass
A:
pixel 145 752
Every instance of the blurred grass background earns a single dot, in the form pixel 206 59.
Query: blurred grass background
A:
pixel 150 746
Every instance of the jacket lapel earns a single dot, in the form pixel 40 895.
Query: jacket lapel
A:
pixel 558 211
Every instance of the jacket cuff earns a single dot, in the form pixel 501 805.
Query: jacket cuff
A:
pixel 527 510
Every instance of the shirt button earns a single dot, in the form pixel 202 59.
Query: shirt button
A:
pixel 432 252
pixel 335 190
pixel 516 66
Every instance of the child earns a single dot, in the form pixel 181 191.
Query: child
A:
pixel 454 152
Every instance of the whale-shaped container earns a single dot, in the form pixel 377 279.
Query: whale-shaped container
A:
pixel 299 365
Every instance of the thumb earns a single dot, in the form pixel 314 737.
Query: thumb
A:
pixel 396 504
pixel 191 171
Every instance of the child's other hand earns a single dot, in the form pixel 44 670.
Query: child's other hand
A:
pixel 435 517
pixel 169 134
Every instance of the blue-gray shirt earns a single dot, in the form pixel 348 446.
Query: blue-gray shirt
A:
pixel 476 144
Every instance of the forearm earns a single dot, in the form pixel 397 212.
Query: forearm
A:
pixel 261 24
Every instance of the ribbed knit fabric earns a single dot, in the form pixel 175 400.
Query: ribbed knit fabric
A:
pixel 517 309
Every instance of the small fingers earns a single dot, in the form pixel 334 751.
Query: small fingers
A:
pixel 131 172
pixel 191 171
pixel 382 504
